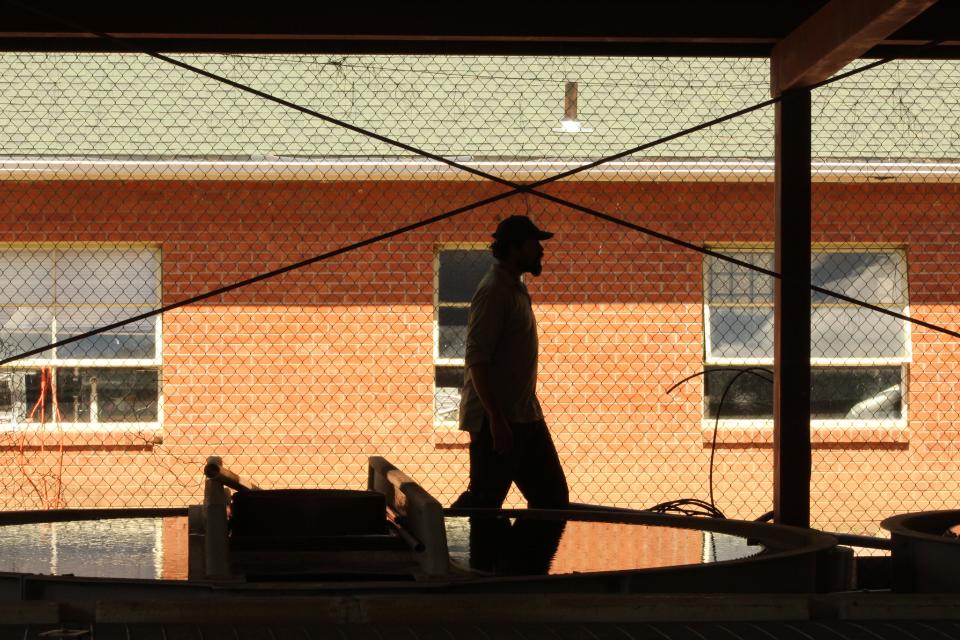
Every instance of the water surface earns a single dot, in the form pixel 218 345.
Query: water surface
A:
pixel 533 546
pixel 156 548
pixel 121 548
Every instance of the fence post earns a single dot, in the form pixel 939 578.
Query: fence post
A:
pixel 215 524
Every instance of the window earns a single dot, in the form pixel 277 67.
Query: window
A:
pixel 858 356
pixel 108 381
pixel 458 272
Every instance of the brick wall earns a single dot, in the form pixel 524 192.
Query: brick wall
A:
pixel 296 380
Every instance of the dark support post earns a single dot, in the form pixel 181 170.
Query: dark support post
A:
pixel 791 346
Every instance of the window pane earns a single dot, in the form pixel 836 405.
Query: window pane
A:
pixel 6 394
pixel 449 377
pixel 737 332
pixel 750 396
pixel 13 398
pixel 26 277
pixel 24 329
pixel 453 331
pixel 852 393
pixel 108 276
pixel 728 282
pixel 135 340
pixel 446 404
pixel 836 332
pixel 446 395
pixel 855 332
pixel 39 400
pixel 461 272
pixel 108 394
pixel 876 277
pixel 856 393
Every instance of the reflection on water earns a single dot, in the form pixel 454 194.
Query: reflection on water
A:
pixel 157 547
pixel 504 546
pixel 120 548
pixel 521 546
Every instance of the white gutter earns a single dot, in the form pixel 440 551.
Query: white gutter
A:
pixel 423 170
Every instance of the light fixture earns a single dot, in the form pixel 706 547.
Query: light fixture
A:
pixel 569 122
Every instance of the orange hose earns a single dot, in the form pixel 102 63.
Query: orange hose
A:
pixel 47 385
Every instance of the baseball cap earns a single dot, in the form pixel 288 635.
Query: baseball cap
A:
pixel 518 229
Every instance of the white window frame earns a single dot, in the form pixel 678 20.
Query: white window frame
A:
pixel 33 363
pixel 818 423
pixel 437 360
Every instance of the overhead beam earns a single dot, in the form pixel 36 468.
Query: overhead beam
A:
pixel 834 36
pixel 714 28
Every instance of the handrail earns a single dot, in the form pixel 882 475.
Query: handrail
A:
pixel 215 470
pixel 865 542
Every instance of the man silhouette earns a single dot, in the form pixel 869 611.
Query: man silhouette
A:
pixel 509 440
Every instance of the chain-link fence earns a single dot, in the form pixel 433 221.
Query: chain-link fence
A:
pixel 130 184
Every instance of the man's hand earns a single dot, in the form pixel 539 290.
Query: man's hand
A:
pixel 502 435
pixel 484 376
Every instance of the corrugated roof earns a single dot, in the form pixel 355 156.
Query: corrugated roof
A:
pixel 126 105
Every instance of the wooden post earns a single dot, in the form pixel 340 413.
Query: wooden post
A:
pixel 421 513
pixel 791 380
pixel 216 551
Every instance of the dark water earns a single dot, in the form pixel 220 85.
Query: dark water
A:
pixel 156 548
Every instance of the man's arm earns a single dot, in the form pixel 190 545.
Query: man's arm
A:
pixel 483 376
pixel 488 313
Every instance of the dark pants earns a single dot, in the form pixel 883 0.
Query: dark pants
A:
pixel 533 464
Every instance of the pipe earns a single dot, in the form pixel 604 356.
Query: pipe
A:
pixel 866 542
pixel 214 470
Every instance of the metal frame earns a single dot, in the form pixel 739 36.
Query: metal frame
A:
pixel 680 28
pixel 685 27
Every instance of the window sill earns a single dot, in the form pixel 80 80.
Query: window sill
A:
pixel 450 437
pixel 856 434
pixel 75 439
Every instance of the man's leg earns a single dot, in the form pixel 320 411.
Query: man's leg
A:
pixel 490 474
pixel 537 470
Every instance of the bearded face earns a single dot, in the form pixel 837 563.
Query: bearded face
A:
pixel 531 257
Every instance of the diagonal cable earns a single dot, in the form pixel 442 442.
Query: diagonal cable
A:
pixel 515 188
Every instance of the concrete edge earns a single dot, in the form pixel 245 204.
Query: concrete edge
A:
pixel 537 608
pixel 888 606
pixel 458 609
pixel 29 612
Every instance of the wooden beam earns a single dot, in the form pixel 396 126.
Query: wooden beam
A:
pixel 839 33
pixel 791 312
